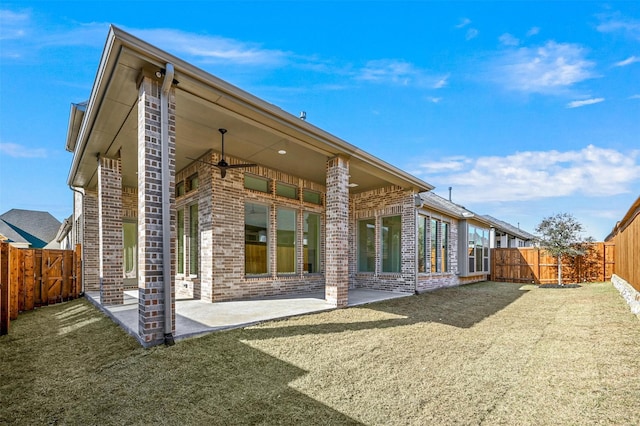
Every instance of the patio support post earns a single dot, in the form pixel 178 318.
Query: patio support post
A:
pixel 90 243
pixel 337 232
pixel 110 230
pixel 151 258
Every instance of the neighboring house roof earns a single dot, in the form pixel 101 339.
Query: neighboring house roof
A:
pixel 36 228
pixel 621 225
pixel 509 229
pixel 449 208
pixel 257 130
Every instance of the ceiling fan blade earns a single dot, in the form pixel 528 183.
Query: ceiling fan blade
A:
pixel 202 161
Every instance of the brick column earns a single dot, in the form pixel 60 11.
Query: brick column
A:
pixel 110 230
pixel 150 227
pixel 337 233
pixel 204 288
pixel 90 243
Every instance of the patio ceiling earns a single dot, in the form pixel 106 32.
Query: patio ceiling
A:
pixel 256 130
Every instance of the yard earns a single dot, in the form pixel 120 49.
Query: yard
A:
pixel 488 353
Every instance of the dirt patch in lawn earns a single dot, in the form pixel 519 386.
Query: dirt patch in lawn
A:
pixel 490 353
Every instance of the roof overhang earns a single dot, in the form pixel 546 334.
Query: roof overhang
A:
pixel 257 129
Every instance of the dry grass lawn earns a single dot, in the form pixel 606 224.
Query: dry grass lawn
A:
pixel 488 353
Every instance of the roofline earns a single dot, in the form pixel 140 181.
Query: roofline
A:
pixel 630 216
pixel 118 39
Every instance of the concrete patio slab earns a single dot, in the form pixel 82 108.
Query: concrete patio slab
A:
pixel 196 317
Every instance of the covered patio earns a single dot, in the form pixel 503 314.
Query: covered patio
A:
pixel 196 317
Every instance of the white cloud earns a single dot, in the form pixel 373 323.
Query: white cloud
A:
pixel 13 25
pixel 471 34
pixel 634 96
pixel 533 31
pixel 434 99
pixel 616 23
pixel 550 68
pixel 630 60
pixel 508 40
pixel 398 72
pixel 577 104
pixel 18 151
pixel 534 175
pixel 212 49
pixel 463 23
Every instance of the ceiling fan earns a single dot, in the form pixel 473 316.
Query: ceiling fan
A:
pixel 222 164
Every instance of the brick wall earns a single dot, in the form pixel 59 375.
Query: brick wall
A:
pixel 389 201
pixel 150 204
pixel 221 234
pixel 90 243
pixel 110 230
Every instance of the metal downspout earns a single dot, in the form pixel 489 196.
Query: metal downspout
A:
pixel 166 205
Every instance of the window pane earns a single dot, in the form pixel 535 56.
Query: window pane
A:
pixel 391 240
pixel 310 196
pixel 286 240
pixel 193 239
pixel 311 241
pixel 366 245
pixel 435 252
pixel 256 183
pixel 422 241
pixel 255 239
pixel 181 241
pixel 130 242
pixel 180 189
pixel 284 190
pixel 445 247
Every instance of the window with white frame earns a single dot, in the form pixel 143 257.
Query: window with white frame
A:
pixel 391 243
pixel 433 245
pixel 367 245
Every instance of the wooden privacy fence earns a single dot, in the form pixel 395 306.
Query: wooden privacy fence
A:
pixel 534 265
pixel 30 278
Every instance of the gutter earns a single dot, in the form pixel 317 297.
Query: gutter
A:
pixel 166 205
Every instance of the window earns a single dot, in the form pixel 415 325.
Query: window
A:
pixel 478 249
pixel 433 240
pixel 285 190
pixel 391 240
pixel 286 241
pixel 192 182
pixel 193 239
pixel 436 260
pixel 311 242
pixel 366 245
pixel 445 247
pixel 181 241
pixel 422 241
pixel 256 239
pixel 130 243
pixel 180 189
pixel 313 197
pixel 256 183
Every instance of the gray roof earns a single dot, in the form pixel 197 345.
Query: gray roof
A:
pixel 447 207
pixel 34 227
pixel 509 229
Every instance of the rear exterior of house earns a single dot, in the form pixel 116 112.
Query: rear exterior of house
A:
pixel 301 210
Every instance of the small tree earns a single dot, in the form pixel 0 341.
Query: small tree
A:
pixel 561 235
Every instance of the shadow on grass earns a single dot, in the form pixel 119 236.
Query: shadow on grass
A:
pixel 460 307
pixel 71 364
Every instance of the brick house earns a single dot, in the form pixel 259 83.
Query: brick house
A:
pixel 299 210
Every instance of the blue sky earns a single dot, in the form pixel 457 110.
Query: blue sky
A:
pixel 526 109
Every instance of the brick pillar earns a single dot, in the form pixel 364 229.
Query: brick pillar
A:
pixel 90 243
pixel 337 233
pixel 203 288
pixel 150 227
pixel 110 230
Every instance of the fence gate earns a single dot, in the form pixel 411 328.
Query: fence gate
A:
pixel 30 278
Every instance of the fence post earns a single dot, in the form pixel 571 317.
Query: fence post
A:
pixel 4 289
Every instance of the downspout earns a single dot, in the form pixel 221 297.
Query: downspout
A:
pixel 166 205
pixel 73 227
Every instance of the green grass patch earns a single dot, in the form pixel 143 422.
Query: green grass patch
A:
pixel 488 353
